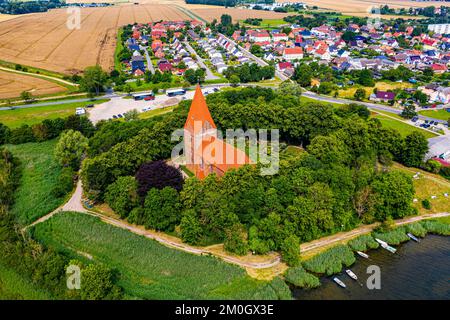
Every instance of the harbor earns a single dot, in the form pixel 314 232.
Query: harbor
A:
pixel 418 270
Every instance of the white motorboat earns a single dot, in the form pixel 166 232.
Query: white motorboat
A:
pixel 339 282
pixel 351 274
pixel 412 237
pixel 362 254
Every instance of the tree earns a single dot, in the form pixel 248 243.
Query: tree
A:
pixel 122 195
pixel 366 78
pixel 94 79
pixel 303 75
pixel 325 87
pixel 234 80
pixel 289 88
pixel 225 20
pixel 394 193
pixel 414 149
pixel 421 97
pixel 235 240
pixel 25 95
pixel 257 50
pixel 290 251
pixel 190 76
pixel 191 231
pixel 162 209
pixel 360 94
pixel 97 283
pixel 158 174
pixel 131 115
pixel 70 148
pixel 4 133
pixel 409 112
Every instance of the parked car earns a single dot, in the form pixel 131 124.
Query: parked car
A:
pixel 90 106
pixel 114 116
pixel 120 115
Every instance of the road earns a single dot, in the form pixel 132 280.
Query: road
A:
pixel 259 61
pixel 209 74
pixel 149 61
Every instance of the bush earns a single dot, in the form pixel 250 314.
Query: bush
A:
pixel 302 279
pixel 157 174
pixel 235 240
pixel 281 289
pixel 330 261
pixel 290 251
pixel 363 243
pixel 426 204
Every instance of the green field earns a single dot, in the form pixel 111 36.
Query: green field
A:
pixel 267 23
pixel 437 114
pixel 14 287
pixel 17 117
pixel 148 269
pixel 33 198
pixel 402 127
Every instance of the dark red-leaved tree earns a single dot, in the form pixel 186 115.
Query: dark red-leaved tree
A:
pixel 157 174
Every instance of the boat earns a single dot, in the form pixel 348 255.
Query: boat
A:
pixel 339 282
pixel 381 242
pixel 351 274
pixel 412 237
pixel 362 254
pixel 389 248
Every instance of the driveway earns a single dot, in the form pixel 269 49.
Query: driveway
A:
pixel 209 74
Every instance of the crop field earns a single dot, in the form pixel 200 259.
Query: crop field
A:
pixel 33 198
pixel 362 7
pixel 44 41
pixel 12 84
pixel 4 17
pixel 237 14
pixel 148 269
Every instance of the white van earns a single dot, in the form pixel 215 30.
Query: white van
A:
pixel 80 111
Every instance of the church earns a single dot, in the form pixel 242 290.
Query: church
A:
pixel 205 151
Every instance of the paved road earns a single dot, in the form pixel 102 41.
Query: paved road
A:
pixel 259 61
pixel 149 61
pixel 209 74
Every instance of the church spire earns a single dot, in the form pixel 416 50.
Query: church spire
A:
pixel 199 112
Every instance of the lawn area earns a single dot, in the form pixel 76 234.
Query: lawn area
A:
pixel 401 127
pixel 155 112
pixel 429 185
pixel 16 117
pixel 304 99
pixel 266 23
pixel 33 198
pixel 437 114
pixel 382 86
pixel 14 287
pixel 149 270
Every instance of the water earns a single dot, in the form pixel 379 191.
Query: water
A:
pixel 416 271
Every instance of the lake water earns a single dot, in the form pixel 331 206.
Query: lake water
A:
pixel 416 271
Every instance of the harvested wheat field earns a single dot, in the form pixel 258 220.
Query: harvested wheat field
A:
pixel 43 40
pixel 362 7
pixel 237 14
pixel 4 17
pixel 12 84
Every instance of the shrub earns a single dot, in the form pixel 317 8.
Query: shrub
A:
pixel 121 195
pixel 65 182
pixel 235 240
pixel 302 279
pixel 290 251
pixel 363 243
pixel 331 261
pixel 426 204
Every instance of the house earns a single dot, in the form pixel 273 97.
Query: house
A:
pixel 165 67
pixel 279 37
pixel 293 53
pixel 281 66
pixel 383 96
pixel 258 36
pixel 137 62
pixel 205 152
pixel 439 68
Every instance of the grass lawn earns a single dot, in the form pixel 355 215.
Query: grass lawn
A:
pixel 17 117
pixel 155 112
pixel 383 86
pixel 148 269
pixel 304 99
pixel 426 186
pixel 33 198
pixel 14 287
pixel 402 127
pixel 266 23
pixel 437 114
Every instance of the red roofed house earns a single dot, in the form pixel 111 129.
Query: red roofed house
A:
pixel 165 66
pixel 439 68
pixel 284 65
pixel 293 53
pixel 205 152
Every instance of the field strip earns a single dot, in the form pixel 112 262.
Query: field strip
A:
pixel 42 76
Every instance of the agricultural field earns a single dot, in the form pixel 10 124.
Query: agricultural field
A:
pixel 361 7
pixel 148 269
pixel 237 14
pixel 33 198
pixel 43 40
pixel 12 84
pixel 4 17
pixel 17 117
pixel 401 127
pixel 441 114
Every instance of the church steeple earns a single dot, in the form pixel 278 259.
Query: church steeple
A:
pixel 199 116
